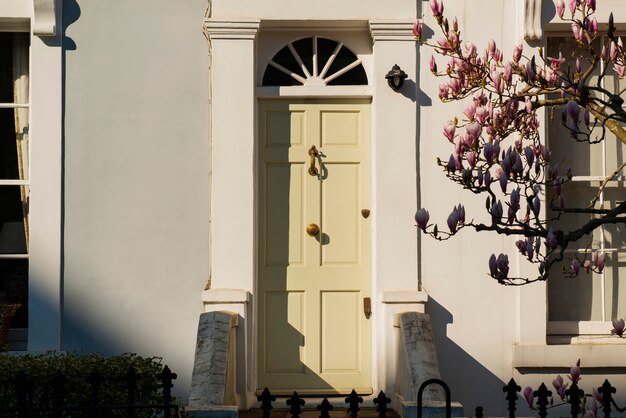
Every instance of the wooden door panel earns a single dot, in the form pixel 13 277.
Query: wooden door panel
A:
pixel 313 336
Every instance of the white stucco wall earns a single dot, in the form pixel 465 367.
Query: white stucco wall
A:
pixel 136 187
pixel 136 178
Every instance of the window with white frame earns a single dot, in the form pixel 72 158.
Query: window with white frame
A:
pixel 14 181
pixel 586 304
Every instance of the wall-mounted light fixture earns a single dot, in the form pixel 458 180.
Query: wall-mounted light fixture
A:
pixel 395 77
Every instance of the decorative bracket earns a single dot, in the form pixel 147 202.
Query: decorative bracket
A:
pixel 45 17
pixel 532 20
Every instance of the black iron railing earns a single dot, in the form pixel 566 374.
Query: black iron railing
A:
pixel 25 405
pixel 542 401
pixel 296 404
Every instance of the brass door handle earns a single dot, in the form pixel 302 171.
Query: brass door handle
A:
pixel 367 307
pixel 312 230
pixel 313 153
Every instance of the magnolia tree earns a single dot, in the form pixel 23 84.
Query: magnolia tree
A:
pixel 498 150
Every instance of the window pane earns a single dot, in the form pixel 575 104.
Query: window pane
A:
pixel 13 230
pixel 14 143
pixel 14 288
pixel 614 235
pixel 576 194
pixel 6 68
pixel 574 298
pixel 615 290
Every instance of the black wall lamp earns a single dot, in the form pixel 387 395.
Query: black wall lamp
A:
pixel 395 77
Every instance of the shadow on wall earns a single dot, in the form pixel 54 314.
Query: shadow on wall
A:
pixel 469 381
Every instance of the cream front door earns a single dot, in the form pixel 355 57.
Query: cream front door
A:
pixel 314 335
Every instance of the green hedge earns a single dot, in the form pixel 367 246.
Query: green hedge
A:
pixel 41 369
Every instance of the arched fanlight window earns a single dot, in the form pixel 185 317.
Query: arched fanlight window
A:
pixel 314 61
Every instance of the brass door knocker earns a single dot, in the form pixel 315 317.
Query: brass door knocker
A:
pixel 313 153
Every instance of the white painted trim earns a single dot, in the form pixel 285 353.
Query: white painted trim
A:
pixel 399 296
pixel 232 29
pixel 46 116
pixel 213 296
pixel 45 17
pixel 392 30
pixel 553 356
pixel 532 20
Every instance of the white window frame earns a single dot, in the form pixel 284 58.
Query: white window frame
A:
pixel 581 331
pixel 41 18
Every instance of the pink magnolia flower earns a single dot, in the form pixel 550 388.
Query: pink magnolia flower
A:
pixel 443 91
pixel 555 63
pixel 491 47
pixel 471 158
pixel 470 48
pixel 449 131
pixel 574 372
pixel 587 265
pixel 613 51
pixel 575 266
pixel 596 395
pixel 453 220
pixel 572 6
pixel 592 4
pixel 620 70
pixel 529 396
pixel 443 43
pixel 536 205
pixel 560 386
pixel 603 53
pixel 455 86
pixel 470 110
pixel 593 25
pixel 436 7
pixel 560 7
pixel 417 29
pixel 421 217
pixel 618 327
pixel 517 53
pixel 508 72
pixel 551 240
pixel 573 111
pixel 598 260
pixel 433 64
pixel 493 267
pixel 577 31
pixel 578 65
pixel 503 263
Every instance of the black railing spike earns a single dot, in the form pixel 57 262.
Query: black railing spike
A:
pixel 607 391
pixel 511 390
pixel 325 407
pixel 543 400
pixel 166 376
pixel 94 379
pixel 382 401
pixel 131 378
pixel 21 383
pixel 479 412
pixel 575 396
pixel 295 404
pixel 58 394
pixel 353 401
pixel 266 399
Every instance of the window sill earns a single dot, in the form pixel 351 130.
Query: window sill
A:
pixel 603 352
